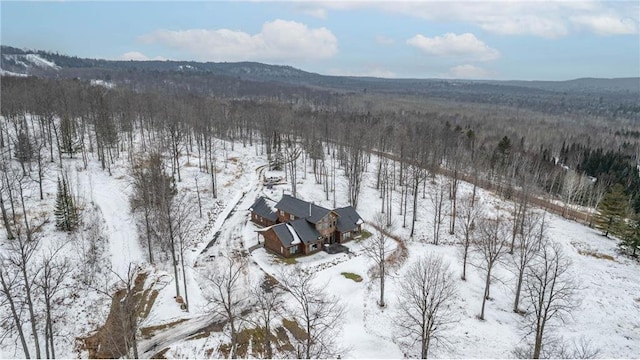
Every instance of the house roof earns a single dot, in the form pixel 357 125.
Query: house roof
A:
pixel 283 233
pixel 306 231
pixel 302 209
pixel 348 219
pixel 295 232
pixel 261 208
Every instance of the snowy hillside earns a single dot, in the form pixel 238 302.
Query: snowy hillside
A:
pixel 109 244
pixel 26 63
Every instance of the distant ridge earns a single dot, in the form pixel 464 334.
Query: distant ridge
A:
pixel 44 63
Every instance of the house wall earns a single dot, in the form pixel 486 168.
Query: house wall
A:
pixel 307 249
pixel 257 219
pixel 327 225
pixel 340 237
pixel 283 216
pixel 272 243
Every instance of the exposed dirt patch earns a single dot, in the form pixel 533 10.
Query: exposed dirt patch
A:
pixel 149 331
pixel 252 342
pixel 585 251
pixel 596 255
pixel 294 329
pixel 128 308
pixel 161 354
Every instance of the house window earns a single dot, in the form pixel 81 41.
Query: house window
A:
pixel 313 247
pixel 293 217
pixel 281 212
pixel 346 235
pixel 293 249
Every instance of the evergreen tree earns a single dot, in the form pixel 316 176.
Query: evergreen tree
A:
pixel 65 210
pixel 612 212
pixel 631 237
pixel 69 143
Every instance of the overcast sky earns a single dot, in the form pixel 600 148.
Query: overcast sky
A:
pixel 533 40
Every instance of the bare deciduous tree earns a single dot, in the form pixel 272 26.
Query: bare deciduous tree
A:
pixel 491 246
pixel 55 270
pixel 9 280
pixel 268 301
pixel 354 169
pixel 426 299
pixel 527 245
pixel 377 250
pixel 437 198
pixel 550 291
pixel 468 214
pixel 316 312
pixel 225 294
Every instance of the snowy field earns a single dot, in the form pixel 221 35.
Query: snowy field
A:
pixel 609 290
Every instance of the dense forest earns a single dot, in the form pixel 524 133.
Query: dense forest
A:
pixel 574 154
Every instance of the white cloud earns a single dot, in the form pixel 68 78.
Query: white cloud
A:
pixel 549 19
pixel 278 40
pixel 367 72
pixel 468 71
pixel 605 24
pixel 138 56
pixel 385 40
pixel 450 44
pixel 315 12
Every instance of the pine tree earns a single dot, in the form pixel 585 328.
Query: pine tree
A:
pixel 631 237
pixel 612 211
pixel 65 210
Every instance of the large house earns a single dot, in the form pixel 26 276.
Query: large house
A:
pixel 301 227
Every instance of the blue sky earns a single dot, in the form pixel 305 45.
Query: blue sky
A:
pixel 534 40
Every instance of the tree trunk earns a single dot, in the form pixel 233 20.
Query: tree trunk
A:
pixel 5 219
pixel 486 292
pixel 382 272
pixel 416 183
pixel 14 315
pixel 518 288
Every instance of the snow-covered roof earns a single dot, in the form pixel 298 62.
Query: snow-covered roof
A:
pixel 261 208
pixel 296 232
pixel 296 238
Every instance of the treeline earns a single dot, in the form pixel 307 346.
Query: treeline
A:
pixel 466 141
pixel 612 166
pixel 45 121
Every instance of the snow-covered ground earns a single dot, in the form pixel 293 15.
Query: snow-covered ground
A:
pixel 609 292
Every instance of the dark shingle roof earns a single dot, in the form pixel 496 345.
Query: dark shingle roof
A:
pixel 283 233
pixel 305 231
pixel 300 208
pixel 299 229
pixel 261 208
pixel 348 219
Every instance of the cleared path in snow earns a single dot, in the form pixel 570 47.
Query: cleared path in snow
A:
pixel 119 224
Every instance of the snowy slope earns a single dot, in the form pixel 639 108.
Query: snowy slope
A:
pixel 609 290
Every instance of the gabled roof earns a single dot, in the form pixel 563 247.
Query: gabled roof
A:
pixel 302 209
pixel 294 232
pixel 305 231
pixel 261 208
pixel 348 219
pixel 283 233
